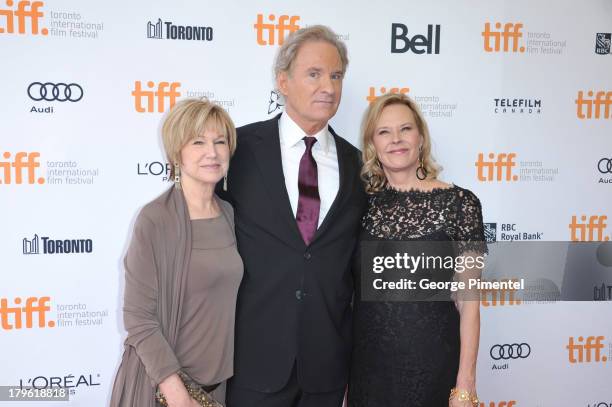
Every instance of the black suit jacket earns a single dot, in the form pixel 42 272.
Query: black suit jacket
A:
pixel 294 302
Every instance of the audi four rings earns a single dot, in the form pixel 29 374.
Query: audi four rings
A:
pixel 605 165
pixel 60 92
pixel 513 351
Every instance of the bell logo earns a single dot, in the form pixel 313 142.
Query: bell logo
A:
pixel 511 31
pixel 12 317
pixel 165 90
pixel 285 24
pixel 499 297
pixel 584 231
pixel 26 10
pixel 419 44
pixel 496 169
pixel 594 107
pixel 585 351
pixel 511 403
pixel 22 161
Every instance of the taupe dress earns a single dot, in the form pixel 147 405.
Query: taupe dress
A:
pixel 181 282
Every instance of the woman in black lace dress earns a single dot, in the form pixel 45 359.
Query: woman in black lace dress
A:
pixel 413 353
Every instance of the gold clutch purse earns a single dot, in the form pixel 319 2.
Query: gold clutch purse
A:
pixel 196 392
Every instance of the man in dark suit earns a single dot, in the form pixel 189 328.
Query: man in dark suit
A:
pixel 298 200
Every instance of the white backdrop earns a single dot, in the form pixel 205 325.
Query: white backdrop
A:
pixel 80 170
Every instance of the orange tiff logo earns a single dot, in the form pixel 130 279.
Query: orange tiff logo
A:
pixel 499 297
pixel 285 24
pixel 13 317
pixel 144 100
pixel 12 171
pixel 585 351
pixel 498 168
pixel 510 403
pixel 584 231
pixel 25 11
pixel 594 106
pixel 372 94
pixel 494 39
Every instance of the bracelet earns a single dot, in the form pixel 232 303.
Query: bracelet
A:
pixel 464 395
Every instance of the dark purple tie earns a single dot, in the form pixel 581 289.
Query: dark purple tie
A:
pixel 309 202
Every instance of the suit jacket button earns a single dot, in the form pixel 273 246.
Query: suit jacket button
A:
pixel 307 255
pixel 298 294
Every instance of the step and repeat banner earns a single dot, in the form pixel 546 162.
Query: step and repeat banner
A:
pixel 518 96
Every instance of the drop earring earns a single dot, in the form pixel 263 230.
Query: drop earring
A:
pixel 177 176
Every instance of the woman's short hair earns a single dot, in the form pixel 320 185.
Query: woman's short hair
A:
pixel 289 50
pixel 372 172
pixel 188 119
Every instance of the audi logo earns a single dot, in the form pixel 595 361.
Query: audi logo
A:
pixel 605 165
pixel 59 92
pixel 513 351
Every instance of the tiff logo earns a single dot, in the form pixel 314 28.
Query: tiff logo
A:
pixel 31 246
pixel 584 231
pixel 22 161
pixel 511 33
pixel 372 92
pixel 165 91
pixel 499 297
pixel 602 99
pixel 497 169
pixel 511 403
pixel 12 317
pixel 26 11
pixel 418 44
pixel 285 24
pixel 581 352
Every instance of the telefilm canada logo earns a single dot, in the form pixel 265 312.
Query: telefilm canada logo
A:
pixel 167 30
pixel 46 245
pixel 517 106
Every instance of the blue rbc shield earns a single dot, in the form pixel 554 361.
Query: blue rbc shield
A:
pixel 602 43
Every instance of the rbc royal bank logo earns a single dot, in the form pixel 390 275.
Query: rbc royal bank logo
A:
pixel 602 43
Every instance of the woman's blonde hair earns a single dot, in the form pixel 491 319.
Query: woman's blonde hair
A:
pixel 372 172
pixel 188 119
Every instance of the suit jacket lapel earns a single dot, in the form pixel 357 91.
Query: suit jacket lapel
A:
pixel 267 151
pixel 344 171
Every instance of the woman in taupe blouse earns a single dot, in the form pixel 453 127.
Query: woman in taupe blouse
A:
pixel 182 269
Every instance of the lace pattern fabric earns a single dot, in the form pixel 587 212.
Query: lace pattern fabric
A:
pixel 407 353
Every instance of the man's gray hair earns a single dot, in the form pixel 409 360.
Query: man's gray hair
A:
pixel 288 51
